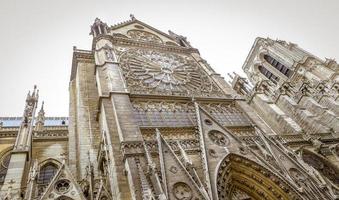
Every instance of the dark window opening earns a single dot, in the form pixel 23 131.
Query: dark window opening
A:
pixel 47 173
pixel 268 74
pixel 276 64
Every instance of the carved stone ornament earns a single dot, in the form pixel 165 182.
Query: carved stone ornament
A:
pixel 218 138
pixel 148 71
pixel 62 186
pixel 144 36
pixel 182 191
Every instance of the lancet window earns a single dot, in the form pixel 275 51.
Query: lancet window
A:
pixel 268 74
pixel 276 64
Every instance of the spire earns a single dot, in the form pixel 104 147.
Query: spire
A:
pixel 40 122
pixel 31 102
pixel 98 28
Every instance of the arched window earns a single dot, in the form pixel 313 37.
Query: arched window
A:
pixel 276 64
pixel 46 173
pixel 4 166
pixel 268 74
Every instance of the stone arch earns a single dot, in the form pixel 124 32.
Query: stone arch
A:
pixel 323 165
pixel 50 160
pixel 277 65
pixel 238 177
pixel 265 73
pixel 47 170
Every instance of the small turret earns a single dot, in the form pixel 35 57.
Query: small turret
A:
pixel 99 28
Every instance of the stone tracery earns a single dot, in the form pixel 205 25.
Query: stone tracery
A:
pixel 154 72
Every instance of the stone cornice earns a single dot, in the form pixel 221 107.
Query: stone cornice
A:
pixel 84 56
pixel 130 42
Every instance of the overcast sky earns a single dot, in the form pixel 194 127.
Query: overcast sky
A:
pixel 37 37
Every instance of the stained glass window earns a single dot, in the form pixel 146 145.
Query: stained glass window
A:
pixel 46 174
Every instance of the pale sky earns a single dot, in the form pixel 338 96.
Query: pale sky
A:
pixel 37 37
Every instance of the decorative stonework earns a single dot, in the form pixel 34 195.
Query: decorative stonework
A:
pixel 325 168
pixel 62 186
pixel 153 72
pixel 182 191
pixel 236 171
pixel 144 36
pixel 218 138
pixel 164 113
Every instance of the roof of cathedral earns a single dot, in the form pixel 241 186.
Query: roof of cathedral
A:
pixel 49 121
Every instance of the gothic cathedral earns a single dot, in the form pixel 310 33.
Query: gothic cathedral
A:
pixel 149 119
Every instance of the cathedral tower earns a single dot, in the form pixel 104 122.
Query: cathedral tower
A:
pixel 149 119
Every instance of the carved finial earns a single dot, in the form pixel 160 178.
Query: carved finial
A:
pixel 28 95
pixel 184 155
pixel 132 17
pixel 150 163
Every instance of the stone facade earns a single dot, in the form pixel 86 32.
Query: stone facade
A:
pixel 150 119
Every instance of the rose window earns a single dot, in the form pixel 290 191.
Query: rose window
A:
pixel 151 71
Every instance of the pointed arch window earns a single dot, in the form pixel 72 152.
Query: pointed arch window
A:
pixel 46 173
pixel 4 167
pixel 268 74
pixel 276 64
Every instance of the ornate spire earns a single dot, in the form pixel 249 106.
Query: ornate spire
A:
pixel 31 101
pixel 40 122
